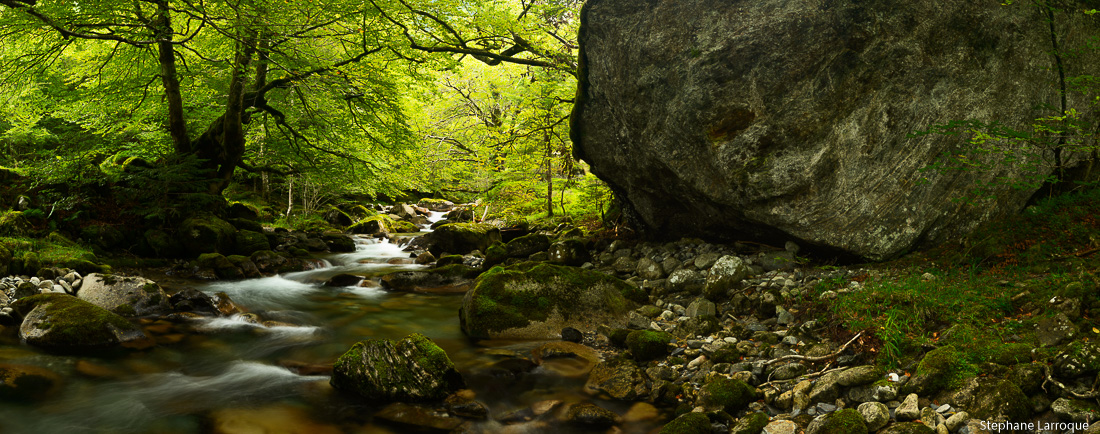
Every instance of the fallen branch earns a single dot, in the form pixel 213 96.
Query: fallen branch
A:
pixel 815 359
pixel 822 372
pixel 1094 393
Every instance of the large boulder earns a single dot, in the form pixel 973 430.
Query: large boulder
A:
pixel 125 295
pixel 412 369
pixel 206 233
pixel 65 323
pixel 462 238
pixel 536 301
pixel 772 119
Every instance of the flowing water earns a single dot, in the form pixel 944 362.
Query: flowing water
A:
pixel 232 375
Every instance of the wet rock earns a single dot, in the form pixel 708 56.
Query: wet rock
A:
pixel 451 279
pixel 225 305
pixel 343 280
pixel 726 273
pixel 591 415
pixel 193 300
pixel 410 417
pixel 461 238
pixel 536 301
pixel 338 242
pixel 570 334
pixel 27 383
pixel 221 265
pixel 65 323
pixel 462 404
pixel 567 350
pixel 412 369
pixel 270 419
pixel 125 295
pixel 619 379
pixel 268 262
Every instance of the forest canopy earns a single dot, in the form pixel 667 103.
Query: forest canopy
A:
pixel 373 97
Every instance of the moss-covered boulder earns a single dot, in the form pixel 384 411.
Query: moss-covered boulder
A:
pixel 527 245
pixel 648 344
pixel 31 263
pixel 162 244
pixel 688 423
pixel 462 238
pixel 125 295
pixel 536 301
pixel 405 227
pixel 989 398
pixel 206 233
pixel 65 323
pixel 569 252
pixel 437 205
pixel 373 225
pixel 846 421
pixel 1081 359
pixel 249 242
pixel 268 262
pixel 941 368
pixel 14 224
pixel 5 260
pixel 222 266
pixel 452 279
pixel 245 265
pixel 729 395
pixel 410 370
pixel 27 383
pixel 238 210
pixel 339 242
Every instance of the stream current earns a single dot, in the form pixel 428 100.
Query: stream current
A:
pixel 229 375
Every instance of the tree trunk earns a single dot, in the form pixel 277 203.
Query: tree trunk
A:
pixel 222 144
pixel 177 125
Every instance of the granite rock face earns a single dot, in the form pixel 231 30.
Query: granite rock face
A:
pixel 783 120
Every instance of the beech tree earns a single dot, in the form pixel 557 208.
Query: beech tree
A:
pixel 324 79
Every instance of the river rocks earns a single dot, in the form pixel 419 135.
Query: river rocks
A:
pixel 66 323
pixel 412 369
pixel 1081 359
pixel 570 252
pixel 461 238
pixel 193 300
pixel 990 398
pixel 374 225
pixel 27 383
pixel 591 415
pixel 527 245
pixel 249 242
pixel 343 280
pixel 730 395
pixel 1075 410
pixel 688 423
pixel 1055 330
pixel 451 279
pixel 936 370
pixel 536 301
pixel 338 242
pixel 618 379
pixel 125 295
pixel 437 205
pixel 909 408
pixel 731 119
pixel 647 344
pixel 223 268
pixel 202 234
pixel 875 414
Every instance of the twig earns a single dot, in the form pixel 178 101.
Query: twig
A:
pixel 820 373
pixel 815 359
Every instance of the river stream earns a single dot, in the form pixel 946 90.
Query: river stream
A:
pixel 229 375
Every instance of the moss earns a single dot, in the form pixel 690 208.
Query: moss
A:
pixel 730 395
pixel 728 354
pixel 249 242
pixel 752 423
pixel 31 263
pixel 462 238
pixel 373 225
pixel 449 260
pixel 846 421
pixel 14 224
pixel 200 234
pixel 456 270
pixel 74 322
pixel 527 245
pixel 426 374
pixel 688 423
pixel 402 226
pixel 496 305
pixel 125 310
pixel 648 344
pixel 941 368
pixel 1011 354
pixel 618 337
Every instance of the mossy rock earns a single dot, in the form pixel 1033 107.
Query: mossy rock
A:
pixel 846 421
pixel 729 395
pixel 222 266
pixel 339 242
pixel 246 225
pixel 618 337
pixel 249 242
pixel 536 301
pixel 495 254
pixel 141 295
pixel 376 224
pixel 989 398
pixel 701 325
pixel 449 260
pixel 571 251
pixel 752 423
pixel 105 236
pixel 5 260
pixel 162 244
pixel 31 263
pixel 1011 354
pixel 688 423
pixel 206 233
pixel 527 245
pixel 14 224
pixel 238 210
pixel 65 323
pixel 648 344
pixel 462 238
pixel 939 369
pixel 404 227
pixel 410 370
